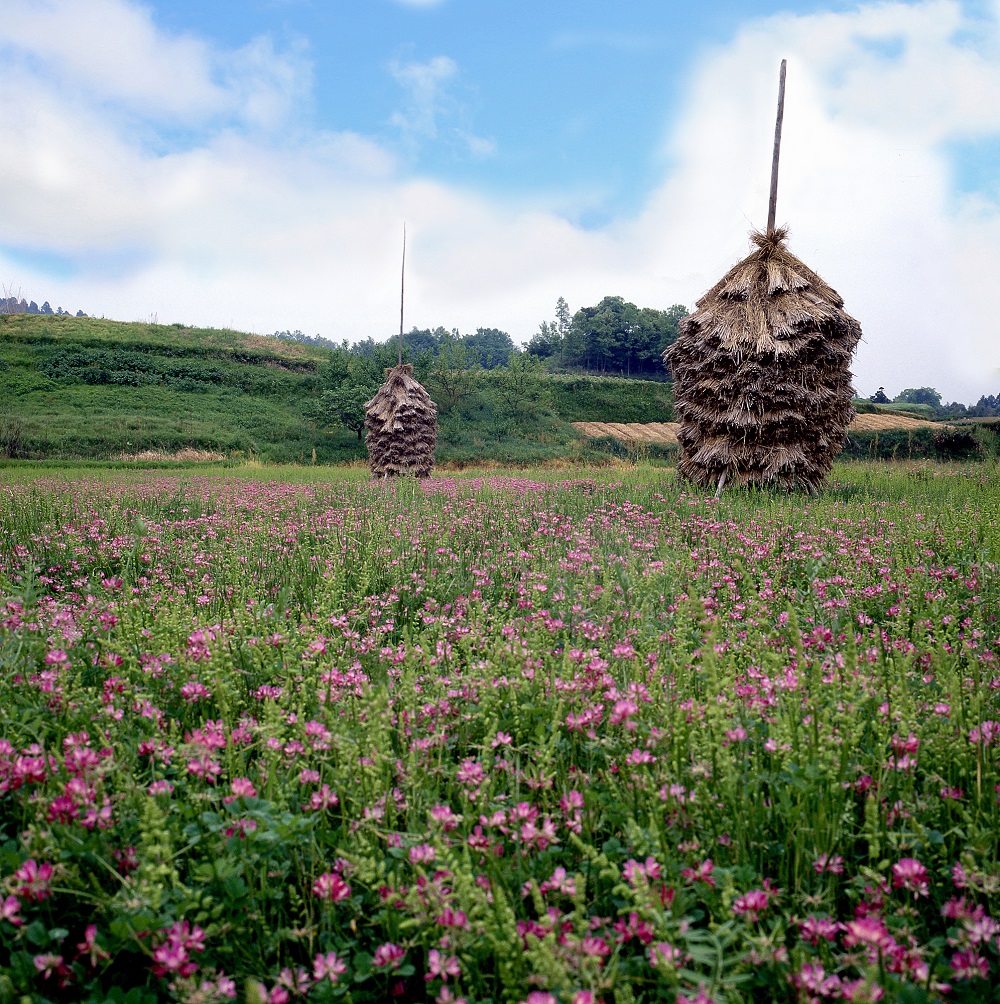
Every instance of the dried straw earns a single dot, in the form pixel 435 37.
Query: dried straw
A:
pixel 762 380
pixel 401 426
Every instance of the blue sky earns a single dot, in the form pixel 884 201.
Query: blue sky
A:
pixel 251 164
pixel 563 98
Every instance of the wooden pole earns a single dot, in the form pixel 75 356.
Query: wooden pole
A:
pixel 773 203
pixel 402 293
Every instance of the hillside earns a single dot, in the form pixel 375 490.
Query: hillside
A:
pixel 83 387
pixel 76 387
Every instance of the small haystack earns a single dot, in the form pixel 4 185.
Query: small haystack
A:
pixel 401 426
pixel 762 379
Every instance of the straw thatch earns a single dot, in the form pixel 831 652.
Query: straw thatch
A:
pixel 401 424
pixel 762 380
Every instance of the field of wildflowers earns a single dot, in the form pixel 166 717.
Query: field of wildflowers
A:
pixel 508 739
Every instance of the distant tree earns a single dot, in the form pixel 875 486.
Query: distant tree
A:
pixel 345 405
pixel 33 308
pixel 988 406
pixel 348 380
pixel 46 309
pixel 879 397
pixel 545 342
pixel 491 345
pixel 616 335
pixel 80 313
pixel 520 386
pixel 918 395
pixel 564 317
pixel 421 341
pixel 454 373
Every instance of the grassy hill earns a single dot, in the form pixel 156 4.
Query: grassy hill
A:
pixel 90 388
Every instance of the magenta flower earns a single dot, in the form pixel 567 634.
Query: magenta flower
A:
pixel 597 948
pixel 867 931
pixel 328 967
pixel 969 965
pixel 663 952
pixel 32 881
pixel 910 874
pixel 9 910
pixel 388 955
pixel 440 967
pixel 751 905
pixel 49 964
pixel 832 863
pixel 90 947
pixel 422 853
pixel 330 886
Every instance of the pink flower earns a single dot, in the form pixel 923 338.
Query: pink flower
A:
pixel 622 712
pixel 814 928
pixel 204 766
pixel 751 905
pixel 9 911
pixel 908 873
pixel 663 952
pixel 638 756
pixel 388 955
pixel 595 947
pixel 160 788
pixel 867 931
pixel 49 964
pixel 832 863
pixel 422 853
pixel 328 967
pixel 242 787
pixel 703 873
pixel 985 733
pixel 438 966
pixel 442 814
pixel 969 965
pixel 322 799
pixel 539 997
pixel 332 887
pixel 453 918
pixel 32 881
pixel 90 948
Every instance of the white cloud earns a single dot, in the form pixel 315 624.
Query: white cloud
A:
pixel 111 51
pixel 243 229
pixel 426 94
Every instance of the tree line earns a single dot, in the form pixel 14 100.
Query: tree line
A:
pixel 14 305
pixel 988 406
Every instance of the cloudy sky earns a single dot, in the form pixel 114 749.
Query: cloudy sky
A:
pixel 250 163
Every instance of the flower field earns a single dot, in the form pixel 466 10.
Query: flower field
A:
pixel 499 739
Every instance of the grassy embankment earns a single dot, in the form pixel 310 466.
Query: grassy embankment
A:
pixel 88 388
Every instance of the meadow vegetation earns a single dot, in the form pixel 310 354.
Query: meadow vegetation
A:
pixel 286 734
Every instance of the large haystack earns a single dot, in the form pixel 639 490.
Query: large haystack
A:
pixel 401 426
pixel 762 379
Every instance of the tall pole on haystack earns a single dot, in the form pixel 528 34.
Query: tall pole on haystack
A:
pixel 402 293
pixel 401 419
pixel 772 205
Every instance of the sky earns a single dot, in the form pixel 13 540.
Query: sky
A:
pixel 251 164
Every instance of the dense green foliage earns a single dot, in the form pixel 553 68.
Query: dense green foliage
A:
pixel 614 336
pixel 504 740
